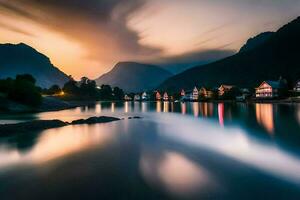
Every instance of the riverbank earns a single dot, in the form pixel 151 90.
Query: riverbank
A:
pixel 48 104
pixel 38 125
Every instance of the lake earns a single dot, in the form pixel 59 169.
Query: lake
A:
pixel 176 151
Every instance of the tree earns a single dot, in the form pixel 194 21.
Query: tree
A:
pixel 106 92
pixel 25 91
pixel 118 93
pixel 6 85
pixel 26 77
pixel 71 87
pixel 54 89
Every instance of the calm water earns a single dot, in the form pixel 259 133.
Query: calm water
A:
pixel 177 151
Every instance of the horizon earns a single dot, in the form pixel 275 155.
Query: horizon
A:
pixel 94 36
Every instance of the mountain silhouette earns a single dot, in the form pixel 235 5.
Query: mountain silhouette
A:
pixel 277 56
pixel 22 59
pixel 134 77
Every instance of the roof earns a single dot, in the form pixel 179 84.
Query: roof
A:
pixel 273 84
pixel 227 86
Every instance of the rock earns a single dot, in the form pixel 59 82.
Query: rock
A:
pixel 6 129
pixel 95 120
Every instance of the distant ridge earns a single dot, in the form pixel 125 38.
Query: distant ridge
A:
pixel 277 56
pixel 256 41
pixel 134 77
pixel 23 59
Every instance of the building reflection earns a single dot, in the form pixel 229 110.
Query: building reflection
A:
pixel 144 106
pixel 221 113
pixel 206 109
pixel 196 109
pixel 172 106
pixel 166 106
pixel 98 108
pixel 158 106
pixel 183 108
pixel 265 116
pixel 178 174
pixel 113 105
pixel 298 113
pixel 126 107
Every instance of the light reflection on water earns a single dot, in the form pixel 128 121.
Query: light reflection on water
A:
pixel 182 150
pixel 265 116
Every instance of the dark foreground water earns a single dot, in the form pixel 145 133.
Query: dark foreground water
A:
pixel 177 151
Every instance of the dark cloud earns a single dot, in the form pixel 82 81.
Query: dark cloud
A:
pixel 100 25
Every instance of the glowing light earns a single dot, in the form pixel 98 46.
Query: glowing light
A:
pixel 166 106
pixel 196 109
pixel 264 116
pixel 158 106
pixel 221 113
pixel 183 108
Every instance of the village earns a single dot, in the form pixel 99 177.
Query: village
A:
pixel 266 91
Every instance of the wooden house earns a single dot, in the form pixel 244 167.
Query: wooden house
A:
pixel 166 97
pixel 223 89
pixel 268 89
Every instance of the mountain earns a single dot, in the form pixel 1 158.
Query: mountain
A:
pixel 23 59
pixel 179 63
pixel 256 41
pixel 277 56
pixel 134 77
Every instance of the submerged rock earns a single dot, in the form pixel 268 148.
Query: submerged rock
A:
pixel 95 120
pixel 36 125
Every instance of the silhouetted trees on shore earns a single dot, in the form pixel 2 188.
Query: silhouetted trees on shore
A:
pixel 22 89
pixel 85 89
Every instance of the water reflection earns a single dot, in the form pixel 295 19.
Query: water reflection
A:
pixel 113 107
pixel 144 107
pixel 237 144
pixel 126 107
pixel 298 114
pixel 181 155
pixel 176 173
pixel 158 106
pixel 265 116
pixel 55 143
pixel 166 106
pixel 98 108
pixel 221 113
pixel 196 109
pixel 183 108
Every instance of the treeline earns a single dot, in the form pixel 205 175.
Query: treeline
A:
pixel 85 89
pixel 22 89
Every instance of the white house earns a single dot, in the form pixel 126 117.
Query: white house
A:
pixel 145 96
pixel 166 96
pixel 297 86
pixel 195 94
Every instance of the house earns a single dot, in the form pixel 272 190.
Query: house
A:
pixel 127 98
pixel 158 96
pixel 297 86
pixel 137 97
pixel 206 93
pixel 223 89
pixel 245 94
pixel 166 97
pixel 268 89
pixel 182 93
pixel 195 94
pixel 145 96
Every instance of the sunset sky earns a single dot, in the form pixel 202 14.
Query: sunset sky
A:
pixel 86 38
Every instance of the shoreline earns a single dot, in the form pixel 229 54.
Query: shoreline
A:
pixel 52 104
pixel 40 125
